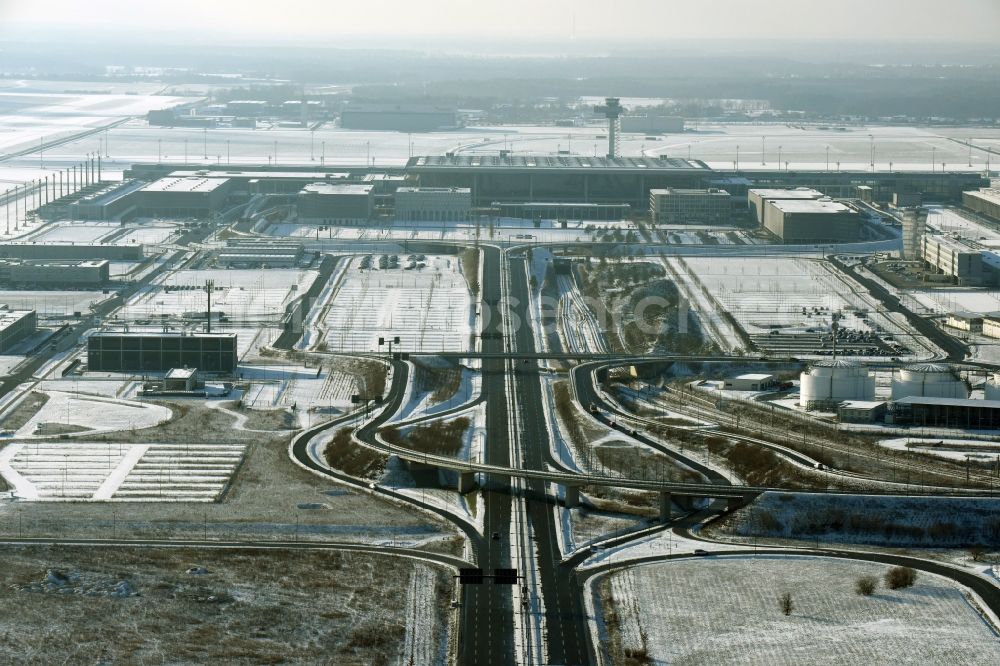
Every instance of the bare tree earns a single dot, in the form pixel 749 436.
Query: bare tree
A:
pixel 785 601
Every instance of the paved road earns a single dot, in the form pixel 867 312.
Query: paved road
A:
pixel 565 619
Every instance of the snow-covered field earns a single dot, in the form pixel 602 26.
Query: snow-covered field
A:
pixel 951 449
pixel 103 471
pixel 94 414
pixel 765 294
pixel 306 388
pixel 430 309
pixel 240 294
pixel 54 303
pixel 724 610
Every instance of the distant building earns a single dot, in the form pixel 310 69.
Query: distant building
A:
pixel 180 379
pixel 966 413
pixel 263 252
pixel 965 321
pixel 433 204
pixel 543 210
pixel 866 194
pixel 955 257
pixel 751 382
pixel 56 273
pixel 116 351
pixel 757 198
pixel 397 118
pixel 985 202
pixel 907 199
pixel 991 326
pixel 690 206
pixel 812 221
pixel 183 196
pixel 652 123
pixel 15 326
pixel 82 252
pixel 116 201
pixel 914 225
pixel 329 203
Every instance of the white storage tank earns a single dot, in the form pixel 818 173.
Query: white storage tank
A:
pixel 834 381
pixel 991 388
pixel 928 380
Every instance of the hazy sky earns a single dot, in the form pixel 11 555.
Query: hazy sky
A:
pixel 642 21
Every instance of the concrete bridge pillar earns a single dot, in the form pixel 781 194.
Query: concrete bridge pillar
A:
pixel 466 482
pixel 572 499
pixel 666 507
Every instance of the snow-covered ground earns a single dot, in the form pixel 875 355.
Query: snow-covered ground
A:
pixel 430 309
pixel 794 295
pixel 724 610
pixel 52 303
pixel 308 389
pixel 93 413
pixel 103 471
pixel 981 450
pixel 239 294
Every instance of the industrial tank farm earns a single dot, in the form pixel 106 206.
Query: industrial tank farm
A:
pixel 833 381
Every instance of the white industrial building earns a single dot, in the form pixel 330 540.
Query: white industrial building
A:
pixel 15 326
pixel 955 257
pixel 759 197
pixel 928 380
pixel 433 204
pixel 335 203
pixel 829 382
pixel 751 382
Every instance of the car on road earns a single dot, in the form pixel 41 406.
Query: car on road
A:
pixel 700 551
pixel 496 536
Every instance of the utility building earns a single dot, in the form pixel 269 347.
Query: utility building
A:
pixel 328 203
pixel 15 326
pixel 433 204
pixel 985 202
pixel 690 206
pixel 116 351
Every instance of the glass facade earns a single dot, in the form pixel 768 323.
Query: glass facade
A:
pixel 151 352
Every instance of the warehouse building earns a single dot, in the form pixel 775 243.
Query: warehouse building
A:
pixel 68 251
pixel 77 274
pixel 329 203
pixel 985 202
pixel 812 221
pixel 690 206
pixel 183 196
pixel 262 252
pixel 116 351
pixel 117 201
pixel 15 326
pixel 955 257
pixel 508 178
pixel 751 382
pixel 433 204
pixel 757 198
pixel 397 118
pixel 966 413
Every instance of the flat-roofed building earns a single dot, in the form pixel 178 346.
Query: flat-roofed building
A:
pixel 690 206
pixel 264 252
pixel 79 251
pixel 433 204
pixel 812 221
pixel 757 198
pixel 183 196
pixel 966 413
pixel 397 118
pixel 955 257
pixel 965 321
pixel 652 123
pixel 92 273
pixel 985 201
pixel 116 201
pixel 861 411
pixel 329 203
pixel 991 325
pixel 118 351
pixel 751 382
pixel 15 326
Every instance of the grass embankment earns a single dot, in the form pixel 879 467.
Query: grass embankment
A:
pixel 470 267
pixel 443 438
pixel 351 458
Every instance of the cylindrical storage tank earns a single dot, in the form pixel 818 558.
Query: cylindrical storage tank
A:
pixel 835 381
pixel 992 388
pixel 928 380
